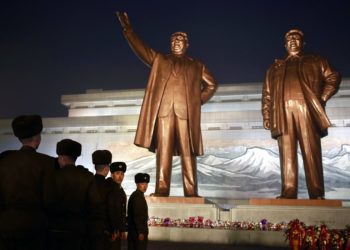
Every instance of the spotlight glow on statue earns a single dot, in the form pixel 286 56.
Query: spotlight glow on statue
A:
pixel 169 122
pixel 294 97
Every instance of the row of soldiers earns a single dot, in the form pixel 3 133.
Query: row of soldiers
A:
pixel 50 203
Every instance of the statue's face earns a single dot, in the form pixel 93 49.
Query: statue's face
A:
pixel 294 43
pixel 178 45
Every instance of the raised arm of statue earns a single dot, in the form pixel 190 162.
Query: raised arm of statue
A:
pixel 144 52
pixel 124 20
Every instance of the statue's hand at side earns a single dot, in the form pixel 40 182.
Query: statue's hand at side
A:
pixel 124 20
pixel 266 124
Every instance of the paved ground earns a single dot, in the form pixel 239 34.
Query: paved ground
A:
pixel 159 245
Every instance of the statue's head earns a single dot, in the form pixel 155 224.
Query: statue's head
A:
pixel 294 41
pixel 179 43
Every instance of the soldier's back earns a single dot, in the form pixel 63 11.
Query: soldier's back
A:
pixel 27 191
pixel 74 184
pixel 26 188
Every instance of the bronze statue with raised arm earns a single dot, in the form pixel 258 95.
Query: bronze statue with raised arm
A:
pixel 294 96
pixel 169 122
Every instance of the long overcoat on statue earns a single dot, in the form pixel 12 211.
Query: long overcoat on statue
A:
pixel 319 81
pixel 200 87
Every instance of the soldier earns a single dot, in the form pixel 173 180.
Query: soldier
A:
pixel 138 214
pixel 79 200
pixel 109 194
pixel 24 202
pixel 118 170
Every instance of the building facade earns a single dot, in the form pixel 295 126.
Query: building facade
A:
pixel 241 160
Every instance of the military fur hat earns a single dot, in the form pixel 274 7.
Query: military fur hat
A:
pixel 142 178
pixel 26 126
pixel 101 157
pixel 68 147
pixel 117 166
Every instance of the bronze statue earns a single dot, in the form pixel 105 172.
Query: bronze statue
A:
pixel 294 96
pixel 169 122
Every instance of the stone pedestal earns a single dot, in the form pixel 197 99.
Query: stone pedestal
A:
pixel 333 217
pixel 296 202
pixel 181 207
pixel 175 199
pixel 218 236
pixel 311 212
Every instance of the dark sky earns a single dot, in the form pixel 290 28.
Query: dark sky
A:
pixel 53 47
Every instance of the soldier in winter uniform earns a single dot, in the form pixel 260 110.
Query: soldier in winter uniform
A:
pixel 138 214
pixel 117 171
pixel 27 189
pixel 79 202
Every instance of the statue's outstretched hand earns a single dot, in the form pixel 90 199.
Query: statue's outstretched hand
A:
pixel 124 20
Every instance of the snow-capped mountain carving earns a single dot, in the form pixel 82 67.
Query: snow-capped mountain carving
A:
pixel 249 172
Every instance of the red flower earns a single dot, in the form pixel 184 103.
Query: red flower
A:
pixel 311 238
pixel 324 237
pixel 295 233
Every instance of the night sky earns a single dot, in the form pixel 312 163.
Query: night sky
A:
pixel 49 48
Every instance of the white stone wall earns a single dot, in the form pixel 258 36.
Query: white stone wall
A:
pixel 232 134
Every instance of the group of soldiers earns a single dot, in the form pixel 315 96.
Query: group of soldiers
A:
pixel 52 203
